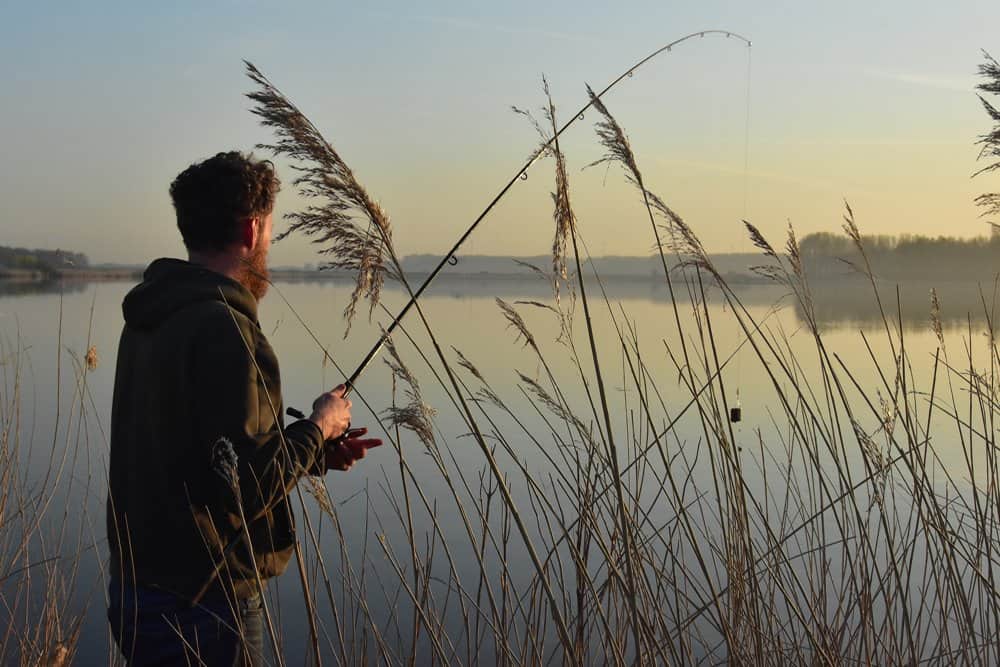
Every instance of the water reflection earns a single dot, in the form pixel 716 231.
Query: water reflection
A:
pixel 847 303
pixel 55 286
pixel 463 313
pixel 852 304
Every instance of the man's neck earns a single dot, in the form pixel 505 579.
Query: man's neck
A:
pixel 224 263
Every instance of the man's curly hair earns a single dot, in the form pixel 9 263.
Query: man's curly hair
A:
pixel 212 197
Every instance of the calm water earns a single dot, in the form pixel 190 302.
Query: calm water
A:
pixel 54 328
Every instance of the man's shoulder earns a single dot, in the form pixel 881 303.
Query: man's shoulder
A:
pixel 218 319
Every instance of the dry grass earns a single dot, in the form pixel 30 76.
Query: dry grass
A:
pixel 633 527
pixel 859 547
pixel 835 536
pixel 43 541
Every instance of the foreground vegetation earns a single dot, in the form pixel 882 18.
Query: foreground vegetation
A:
pixel 654 531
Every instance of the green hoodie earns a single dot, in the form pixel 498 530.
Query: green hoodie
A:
pixel 194 370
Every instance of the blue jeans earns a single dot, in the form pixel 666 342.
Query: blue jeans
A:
pixel 152 627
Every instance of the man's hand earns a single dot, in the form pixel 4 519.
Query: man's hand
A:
pixel 341 454
pixel 332 413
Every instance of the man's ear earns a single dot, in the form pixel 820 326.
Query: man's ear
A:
pixel 249 232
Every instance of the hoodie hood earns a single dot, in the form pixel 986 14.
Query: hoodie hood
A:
pixel 170 285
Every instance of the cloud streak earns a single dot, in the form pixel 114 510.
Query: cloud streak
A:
pixel 964 84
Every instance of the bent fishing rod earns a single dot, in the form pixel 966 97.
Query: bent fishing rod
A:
pixel 449 258
pixel 521 174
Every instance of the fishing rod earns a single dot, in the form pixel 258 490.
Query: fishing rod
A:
pixel 450 258
pixel 521 174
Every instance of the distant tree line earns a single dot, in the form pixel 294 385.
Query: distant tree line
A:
pixel 909 256
pixel 904 257
pixel 44 261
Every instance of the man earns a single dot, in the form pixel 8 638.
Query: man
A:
pixel 200 462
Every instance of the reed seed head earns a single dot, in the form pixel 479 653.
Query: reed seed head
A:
pixel 317 490
pixel 555 407
pixel 759 241
pixel 562 211
pixel 936 317
pixel 225 462
pixel 613 138
pixel 515 321
pixel 794 254
pixel 416 416
pixel 989 70
pixel 467 365
pixel 683 241
pixel 350 226
pixel 91 358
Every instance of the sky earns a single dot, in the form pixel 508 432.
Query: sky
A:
pixel 864 101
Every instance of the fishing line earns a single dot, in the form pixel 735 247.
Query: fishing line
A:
pixel 736 413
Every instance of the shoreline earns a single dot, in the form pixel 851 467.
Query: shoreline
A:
pixel 19 276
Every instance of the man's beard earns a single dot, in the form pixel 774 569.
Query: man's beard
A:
pixel 255 275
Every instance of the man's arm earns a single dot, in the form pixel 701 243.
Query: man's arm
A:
pixel 231 398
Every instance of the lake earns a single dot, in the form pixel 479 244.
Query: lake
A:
pixel 57 414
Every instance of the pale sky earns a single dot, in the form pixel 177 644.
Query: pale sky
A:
pixel 104 103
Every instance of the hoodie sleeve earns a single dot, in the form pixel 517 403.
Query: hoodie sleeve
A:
pixel 233 366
